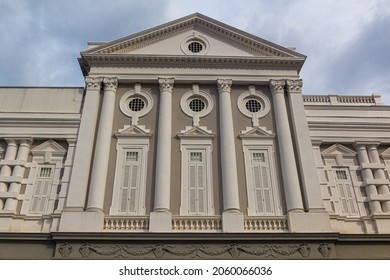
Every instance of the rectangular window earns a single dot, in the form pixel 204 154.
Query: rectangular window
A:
pixel 346 193
pixel 130 183
pixel 42 189
pixel 196 183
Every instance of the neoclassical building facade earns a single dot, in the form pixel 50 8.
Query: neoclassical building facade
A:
pixel 192 140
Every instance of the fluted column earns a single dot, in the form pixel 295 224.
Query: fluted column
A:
pixel 163 153
pixel 379 173
pixel 6 170
pixel 371 190
pixel 287 159
pixel 18 171
pixel 228 151
pixel 78 183
pixel 102 147
pixel 306 164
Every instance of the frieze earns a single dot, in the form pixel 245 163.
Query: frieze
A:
pixel 195 251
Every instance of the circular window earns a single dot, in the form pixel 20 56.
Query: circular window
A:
pixel 195 44
pixel 253 105
pixel 136 104
pixel 195 47
pixel 197 105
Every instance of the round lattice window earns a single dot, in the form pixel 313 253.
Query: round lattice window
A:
pixel 136 104
pixel 195 47
pixel 253 105
pixel 197 105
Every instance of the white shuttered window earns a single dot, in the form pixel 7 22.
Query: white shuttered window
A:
pixel 346 193
pixel 42 189
pixel 262 187
pixel 130 182
pixel 197 183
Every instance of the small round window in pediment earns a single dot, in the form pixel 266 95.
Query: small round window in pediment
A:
pixel 253 105
pixel 195 47
pixel 136 104
pixel 197 105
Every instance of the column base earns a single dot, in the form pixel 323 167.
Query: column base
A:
pixel 308 222
pixel 81 222
pixel 5 224
pixel 382 223
pixel 160 222
pixel 232 222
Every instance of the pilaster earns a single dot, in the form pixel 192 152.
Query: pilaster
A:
pixel 311 190
pixel 79 177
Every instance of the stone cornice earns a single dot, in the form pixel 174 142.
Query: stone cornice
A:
pixel 193 62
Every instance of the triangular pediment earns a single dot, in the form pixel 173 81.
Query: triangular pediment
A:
pixel 253 132
pixel 49 146
pixel 196 131
pixel 220 40
pixel 386 153
pixel 133 130
pixel 338 149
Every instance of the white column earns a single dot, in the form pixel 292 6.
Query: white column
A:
pixel 306 163
pixel 78 183
pixel 6 170
pixel 18 171
pixel 287 158
pixel 379 174
pixel 371 190
pixel 232 217
pixel 228 151
pixel 160 218
pixel 102 148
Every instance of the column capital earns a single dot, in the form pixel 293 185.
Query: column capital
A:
pixel 25 141
pixel 277 86
pixel 93 83
pixel 166 84
pixel 224 85
pixel 110 83
pixel 294 86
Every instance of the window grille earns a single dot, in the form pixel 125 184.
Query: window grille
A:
pixel 136 104
pixel 195 47
pixel 197 105
pixel 253 105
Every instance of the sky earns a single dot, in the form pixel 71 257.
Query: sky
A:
pixel 347 43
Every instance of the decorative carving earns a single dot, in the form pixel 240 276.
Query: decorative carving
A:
pixel 65 250
pixel 160 251
pixel 325 249
pixel 277 86
pixel 166 84
pixel 93 83
pixel 110 84
pixel 224 85
pixel 294 86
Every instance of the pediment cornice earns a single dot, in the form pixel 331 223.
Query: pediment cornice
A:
pixel 252 44
pixel 103 60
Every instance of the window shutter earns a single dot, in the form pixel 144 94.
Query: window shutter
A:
pixel 130 183
pixel 346 194
pixel 262 183
pixel 196 183
pixel 41 193
pixel 192 189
